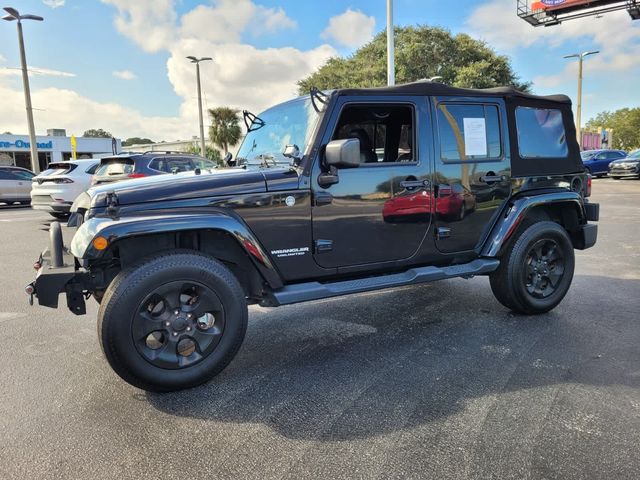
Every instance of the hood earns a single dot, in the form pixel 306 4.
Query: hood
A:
pixel 626 160
pixel 188 185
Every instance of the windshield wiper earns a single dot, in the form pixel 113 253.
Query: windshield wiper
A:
pixel 252 121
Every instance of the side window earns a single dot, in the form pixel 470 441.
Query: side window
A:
pixel 5 174
pixel 469 132
pixel 92 169
pixel 385 132
pixel 22 175
pixel 541 133
pixel 159 164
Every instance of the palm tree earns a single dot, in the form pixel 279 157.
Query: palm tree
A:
pixel 225 127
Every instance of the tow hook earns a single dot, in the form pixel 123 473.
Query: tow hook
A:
pixel 30 290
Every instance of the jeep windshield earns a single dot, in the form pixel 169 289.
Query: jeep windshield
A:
pixel 290 123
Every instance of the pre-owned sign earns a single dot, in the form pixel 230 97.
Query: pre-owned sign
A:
pixel 22 144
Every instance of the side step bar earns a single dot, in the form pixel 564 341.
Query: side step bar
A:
pixel 303 292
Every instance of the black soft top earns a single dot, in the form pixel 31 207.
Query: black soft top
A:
pixel 440 89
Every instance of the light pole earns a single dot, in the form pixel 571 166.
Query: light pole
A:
pixel 391 65
pixel 580 57
pixel 197 62
pixel 15 15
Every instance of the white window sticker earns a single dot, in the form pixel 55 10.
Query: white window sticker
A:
pixel 475 136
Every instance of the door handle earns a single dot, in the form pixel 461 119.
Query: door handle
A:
pixel 492 178
pixel 414 183
pixel 322 198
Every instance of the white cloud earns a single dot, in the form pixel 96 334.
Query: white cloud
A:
pixel 149 23
pixel 54 3
pixel 350 29
pixel 240 76
pixel 44 72
pixel 508 32
pixel 61 108
pixel 124 75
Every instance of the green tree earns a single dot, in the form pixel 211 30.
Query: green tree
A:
pixel 97 133
pixel 421 52
pixel 225 127
pixel 211 153
pixel 625 124
pixel 136 141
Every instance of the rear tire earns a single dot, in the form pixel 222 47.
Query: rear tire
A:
pixel 172 321
pixel 536 269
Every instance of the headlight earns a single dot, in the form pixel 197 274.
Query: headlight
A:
pixel 82 201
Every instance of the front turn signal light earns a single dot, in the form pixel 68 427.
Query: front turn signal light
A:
pixel 100 243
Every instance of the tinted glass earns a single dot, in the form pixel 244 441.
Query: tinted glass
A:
pixel 634 154
pixel 92 169
pixel 22 175
pixel 480 141
pixel 541 133
pixel 122 166
pixel 6 175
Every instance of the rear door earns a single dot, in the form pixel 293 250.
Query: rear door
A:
pixel 473 170
pixel 8 182
pixel 23 183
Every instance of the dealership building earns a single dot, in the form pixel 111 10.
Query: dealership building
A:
pixel 54 147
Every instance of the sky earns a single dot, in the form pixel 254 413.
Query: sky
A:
pixel 120 64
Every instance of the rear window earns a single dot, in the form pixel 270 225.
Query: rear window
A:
pixel 172 164
pixel 61 168
pixel 541 133
pixel 116 166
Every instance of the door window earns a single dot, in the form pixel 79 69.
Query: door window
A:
pixel 385 132
pixel 22 175
pixel 468 132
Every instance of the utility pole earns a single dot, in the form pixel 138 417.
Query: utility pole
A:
pixel 197 61
pixel 13 15
pixel 391 62
pixel 580 57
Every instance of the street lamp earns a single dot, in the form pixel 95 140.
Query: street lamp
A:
pixel 197 62
pixel 580 57
pixel 391 63
pixel 13 15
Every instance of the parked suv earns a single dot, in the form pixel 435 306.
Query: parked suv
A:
pixel 55 189
pixel 137 165
pixel 312 213
pixel 15 184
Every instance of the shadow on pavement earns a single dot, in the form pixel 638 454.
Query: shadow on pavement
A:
pixel 374 364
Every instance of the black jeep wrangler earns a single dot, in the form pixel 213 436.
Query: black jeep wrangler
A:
pixel 334 193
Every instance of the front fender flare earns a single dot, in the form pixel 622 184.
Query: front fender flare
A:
pixel 115 230
pixel 516 210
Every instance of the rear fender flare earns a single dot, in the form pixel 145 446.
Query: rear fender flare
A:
pixel 516 211
pixel 115 230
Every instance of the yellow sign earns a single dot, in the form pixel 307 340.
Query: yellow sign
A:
pixel 73 146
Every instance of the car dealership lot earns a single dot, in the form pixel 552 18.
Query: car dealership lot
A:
pixel 437 381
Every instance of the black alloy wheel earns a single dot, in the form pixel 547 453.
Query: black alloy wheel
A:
pixel 544 267
pixel 536 268
pixel 172 321
pixel 178 324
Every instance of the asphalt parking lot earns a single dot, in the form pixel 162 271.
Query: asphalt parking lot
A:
pixel 437 381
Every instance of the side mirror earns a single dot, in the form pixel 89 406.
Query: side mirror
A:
pixel 228 160
pixel 343 153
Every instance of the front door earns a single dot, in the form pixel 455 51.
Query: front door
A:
pixel 473 171
pixel 379 211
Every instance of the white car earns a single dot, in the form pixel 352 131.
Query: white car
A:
pixel 15 183
pixel 55 189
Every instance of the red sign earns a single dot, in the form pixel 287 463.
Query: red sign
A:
pixel 551 5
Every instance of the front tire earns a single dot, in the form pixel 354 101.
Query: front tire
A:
pixel 536 269
pixel 172 321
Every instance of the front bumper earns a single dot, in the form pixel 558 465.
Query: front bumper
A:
pixel 58 272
